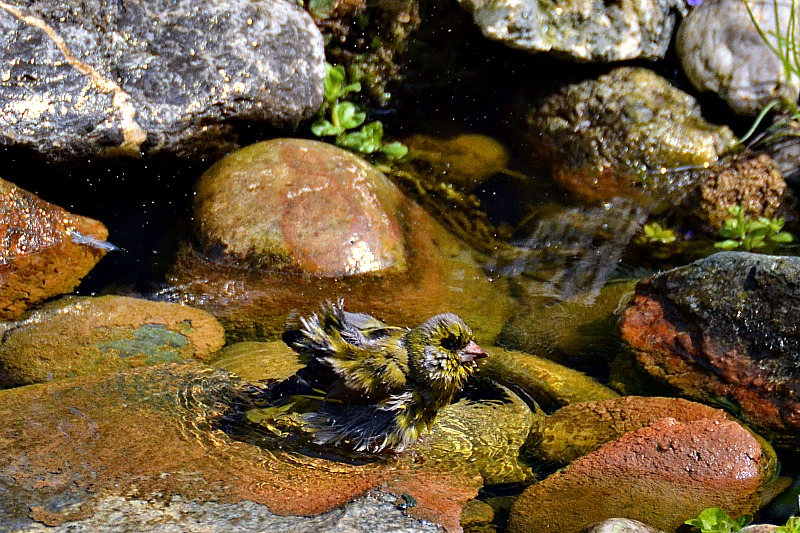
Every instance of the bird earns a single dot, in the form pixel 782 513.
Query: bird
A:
pixel 383 384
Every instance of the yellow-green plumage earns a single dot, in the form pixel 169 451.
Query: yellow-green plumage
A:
pixel 388 382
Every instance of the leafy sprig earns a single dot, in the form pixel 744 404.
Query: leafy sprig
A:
pixel 748 234
pixel 344 116
pixel 715 520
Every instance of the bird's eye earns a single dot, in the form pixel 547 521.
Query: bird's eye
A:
pixel 449 343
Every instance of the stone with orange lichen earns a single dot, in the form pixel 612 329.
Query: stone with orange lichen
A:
pixel 38 258
pixel 725 327
pixel 90 335
pixel 288 224
pixel 661 474
pixel 154 432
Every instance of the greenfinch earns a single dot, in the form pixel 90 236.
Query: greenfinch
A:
pixel 383 384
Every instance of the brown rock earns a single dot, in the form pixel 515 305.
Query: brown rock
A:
pixel 153 433
pixel 303 223
pixel 754 182
pixel 87 335
pixel 580 428
pixel 662 475
pixel 38 258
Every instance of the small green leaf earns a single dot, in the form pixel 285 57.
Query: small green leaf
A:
pixel 394 150
pixel 346 116
pixel 715 520
pixel 367 140
pixel 784 237
pixel 322 127
pixel 334 78
pixel 727 245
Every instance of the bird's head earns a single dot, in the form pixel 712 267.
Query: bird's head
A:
pixel 443 352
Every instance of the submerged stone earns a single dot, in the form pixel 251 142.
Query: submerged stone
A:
pixel 581 30
pixel 43 249
pixel 548 383
pixel 157 433
pixel 724 329
pixel 607 137
pixel 99 78
pixel 88 335
pixel 288 224
pixel 660 474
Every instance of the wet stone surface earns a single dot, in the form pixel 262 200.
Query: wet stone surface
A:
pixel 725 327
pixel 101 78
pixel 39 257
pixel 91 335
pixel 289 224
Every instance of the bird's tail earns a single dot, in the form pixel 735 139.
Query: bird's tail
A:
pixel 319 335
pixel 368 428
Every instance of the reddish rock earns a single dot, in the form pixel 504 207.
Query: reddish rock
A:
pixel 289 224
pixel 151 433
pixel 725 327
pixel 38 258
pixel 662 475
pixel 580 428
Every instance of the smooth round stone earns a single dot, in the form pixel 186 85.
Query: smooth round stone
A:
pixel 259 361
pixel 87 335
pixel 301 205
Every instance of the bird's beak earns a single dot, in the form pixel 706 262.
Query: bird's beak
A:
pixel 472 352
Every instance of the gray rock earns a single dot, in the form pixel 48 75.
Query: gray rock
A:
pixel 721 51
pixel 374 512
pixel 582 30
pixel 102 77
pixel 620 525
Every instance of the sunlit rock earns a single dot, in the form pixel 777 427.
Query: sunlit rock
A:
pixel 620 525
pixel 612 136
pixel 581 428
pixel 97 78
pixel 660 474
pixel 724 329
pixel 43 249
pixel 288 224
pixel 581 30
pixel 156 433
pixel 86 335
pixel 721 51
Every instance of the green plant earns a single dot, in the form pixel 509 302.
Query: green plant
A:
pixel 715 520
pixel 656 233
pixel 344 116
pixel 748 234
pixel 792 526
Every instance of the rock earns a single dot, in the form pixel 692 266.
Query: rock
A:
pixel 551 385
pixel 288 224
pixel 157 433
pixel 580 428
pixel 477 514
pixel 580 30
pixel 373 512
pixel 753 182
pixel 660 474
pixel 724 329
pixel 258 361
pixel 465 160
pixel 87 335
pixel 721 51
pixel 104 78
pixel 620 525
pixel 40 250
pixel 599 138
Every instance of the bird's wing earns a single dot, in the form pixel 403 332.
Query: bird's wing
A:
pixel 368 355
